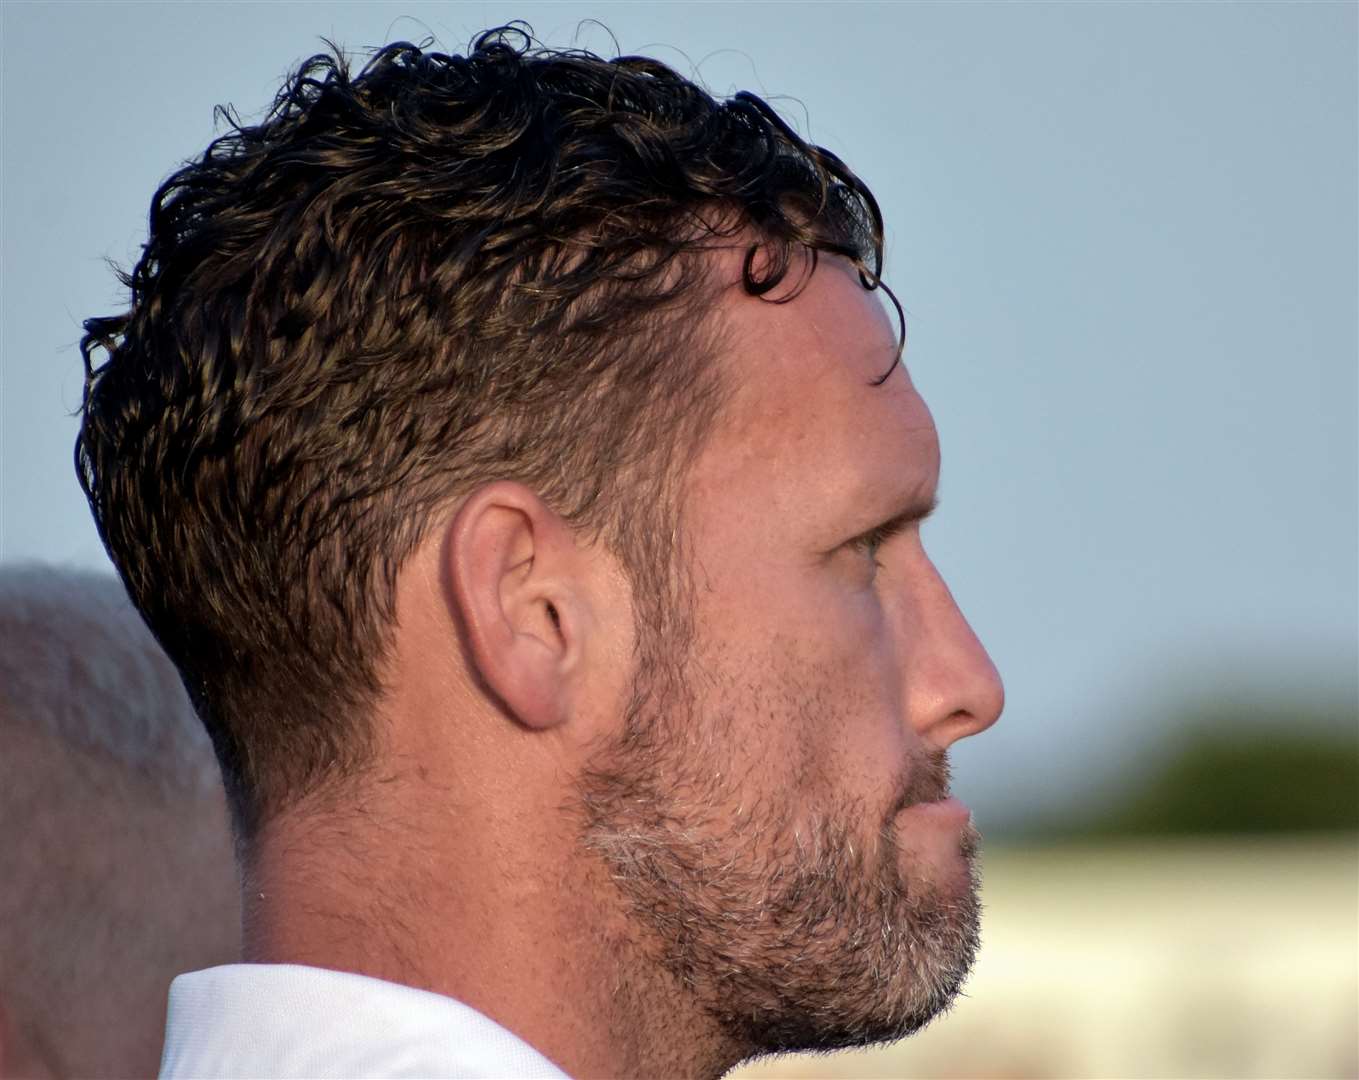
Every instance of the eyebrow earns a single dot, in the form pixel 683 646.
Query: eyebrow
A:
pixel 914 512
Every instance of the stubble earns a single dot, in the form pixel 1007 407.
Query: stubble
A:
pixel 788 928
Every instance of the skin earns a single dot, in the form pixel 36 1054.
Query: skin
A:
pixel 723 856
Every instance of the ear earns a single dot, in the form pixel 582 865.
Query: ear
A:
pixel 515 571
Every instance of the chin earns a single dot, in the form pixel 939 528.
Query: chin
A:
pixel 797 931
pixel 875 957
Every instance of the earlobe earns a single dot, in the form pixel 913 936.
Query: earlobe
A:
pixel 511 562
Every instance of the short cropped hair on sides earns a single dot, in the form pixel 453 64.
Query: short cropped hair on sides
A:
pixel 399 285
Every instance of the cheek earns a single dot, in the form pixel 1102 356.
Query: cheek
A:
pixel 857 635
pixel 824 636
pixel 851 672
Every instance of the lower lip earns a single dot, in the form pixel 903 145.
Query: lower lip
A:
pixel 948 811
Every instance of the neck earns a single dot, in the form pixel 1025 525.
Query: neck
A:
pixel 453 901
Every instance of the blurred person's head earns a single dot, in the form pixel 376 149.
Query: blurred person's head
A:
pixel 512 455
pixel 115 850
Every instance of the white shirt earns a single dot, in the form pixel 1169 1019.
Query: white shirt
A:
pixel 286 1020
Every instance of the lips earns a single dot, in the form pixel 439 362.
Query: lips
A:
pixel 948 810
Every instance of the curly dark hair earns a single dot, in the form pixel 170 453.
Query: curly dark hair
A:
pixel 397 286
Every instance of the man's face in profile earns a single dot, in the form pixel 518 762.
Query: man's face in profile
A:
pixel 772 832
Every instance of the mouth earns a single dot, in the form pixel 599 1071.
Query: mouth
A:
pixel 947 811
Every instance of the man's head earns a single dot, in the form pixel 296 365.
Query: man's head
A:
pixel 397 287
pixel 115 850
pixel 501 447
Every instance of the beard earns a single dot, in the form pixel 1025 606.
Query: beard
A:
pixel 791 927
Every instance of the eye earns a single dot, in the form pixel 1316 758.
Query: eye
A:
pixel 870 543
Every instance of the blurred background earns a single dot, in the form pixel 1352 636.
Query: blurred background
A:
pixel 1127 239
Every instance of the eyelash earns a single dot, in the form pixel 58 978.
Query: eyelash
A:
pixel 871 542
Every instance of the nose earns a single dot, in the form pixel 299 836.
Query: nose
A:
pixel 953 688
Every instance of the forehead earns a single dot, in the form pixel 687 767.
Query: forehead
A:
pixel 804 423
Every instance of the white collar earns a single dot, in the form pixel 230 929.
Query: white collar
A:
pixel 286 1020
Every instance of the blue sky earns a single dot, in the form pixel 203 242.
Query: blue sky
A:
pixel 1125 236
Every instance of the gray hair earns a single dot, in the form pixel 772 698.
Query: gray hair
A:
pixel 77 660
pixel 115 849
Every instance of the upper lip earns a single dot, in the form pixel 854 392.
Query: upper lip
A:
pixel 938 797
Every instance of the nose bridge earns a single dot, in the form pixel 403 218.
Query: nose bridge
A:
pixel 953 688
